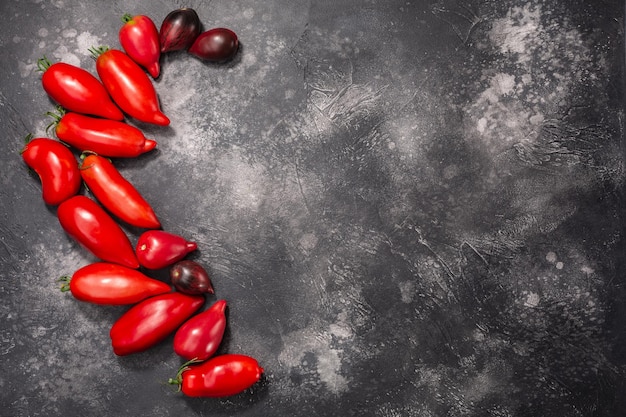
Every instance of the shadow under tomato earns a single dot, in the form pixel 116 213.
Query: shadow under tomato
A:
pixel 138 162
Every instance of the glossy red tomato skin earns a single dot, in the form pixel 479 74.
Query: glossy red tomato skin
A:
pixel 77 90
pixel 105 137
pixel 158 249
pixel 200 336
pixel 130 87
pixel 221 376
pixel 151 321
pixel 140 39
pixel 112 284
pixel 56 166
pixel 91 226
pixel 116 193
pixel 217 45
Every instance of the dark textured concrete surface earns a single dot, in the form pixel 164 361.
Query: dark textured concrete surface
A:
pixel 413 208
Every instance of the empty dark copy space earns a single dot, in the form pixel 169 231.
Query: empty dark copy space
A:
pixel 413 208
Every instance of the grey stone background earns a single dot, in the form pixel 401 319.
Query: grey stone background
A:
pixel 413 208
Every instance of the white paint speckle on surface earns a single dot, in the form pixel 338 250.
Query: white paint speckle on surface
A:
pixel 532 300
pixel 516 31
pixel 481 126
pixel 84 41
pixel 587 270
pixel 308 241
pixel 328 359
pixel 407 291
pixel 69 33
pixel 248 13
pixel 25 69
pixel 551 257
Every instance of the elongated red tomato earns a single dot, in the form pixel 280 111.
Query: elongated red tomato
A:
pixel 56 166
pixel 200 336
pixel 85 221
pixel 151 321
pixel 221 376
pixel 157 249
pixel 140 39
pixel 116 193
pixel 104 137
pixel 129 85
pixel 111 284
pixel 77 90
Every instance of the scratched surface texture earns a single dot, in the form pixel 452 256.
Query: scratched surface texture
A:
pixel 413 208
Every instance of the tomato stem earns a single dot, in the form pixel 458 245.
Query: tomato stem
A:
pixel 50 125
pixel 43 64
pixel 127 18
pixel 56 115
pixel 27 139
pixel 97 51
pixel 65 279
pixel 86 153
pixel 82 157
pixel 179 375
pixel 178 381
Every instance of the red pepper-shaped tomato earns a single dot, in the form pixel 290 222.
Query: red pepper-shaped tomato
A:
pixel 151 321
pixel 140 39
pixel 129 85
pixel 104 137
pixel 221 376
pixel 157 249
pixel 85 221
pixel 112 284
pixel 202 334
pixel 56 166
pixel 77 90
pixel 116 193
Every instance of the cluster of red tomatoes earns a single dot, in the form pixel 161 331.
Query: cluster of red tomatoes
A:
pixel 91 121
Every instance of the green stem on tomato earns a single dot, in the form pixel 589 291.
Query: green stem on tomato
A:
pixel 56 116
pixel 43 64
pixel 65 279
pixel 86 153
pixel 97 51
pixel 27 139
pixel 82 156
pixel 179 375
pixel 127 17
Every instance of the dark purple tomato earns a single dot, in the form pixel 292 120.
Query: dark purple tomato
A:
pixel 179 29
pixel 190 277
pixel 218 44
